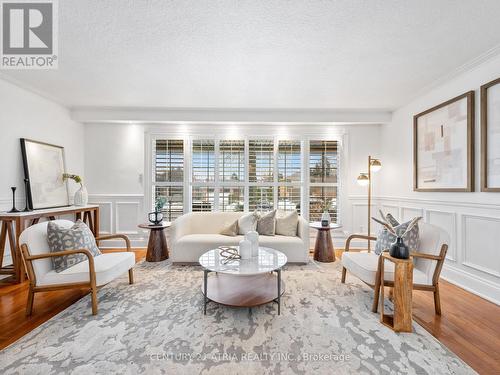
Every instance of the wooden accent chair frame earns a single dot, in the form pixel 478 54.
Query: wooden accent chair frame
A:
pixel 91 273
pixel 366 266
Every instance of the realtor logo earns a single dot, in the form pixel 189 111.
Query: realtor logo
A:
pixel 29 34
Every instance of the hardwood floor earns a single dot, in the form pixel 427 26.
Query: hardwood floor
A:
pixel 469 325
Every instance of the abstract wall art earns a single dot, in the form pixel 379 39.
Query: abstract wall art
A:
pixel 443 146
pixel 44 167
pixel 490 136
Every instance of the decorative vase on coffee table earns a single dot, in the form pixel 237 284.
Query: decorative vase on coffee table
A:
pixel 253 237
pixel 245 249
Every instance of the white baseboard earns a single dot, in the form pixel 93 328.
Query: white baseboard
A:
pixel 472 283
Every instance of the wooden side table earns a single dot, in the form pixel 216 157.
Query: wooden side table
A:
pixel 157 244
pixel 401 320
pixel 323 249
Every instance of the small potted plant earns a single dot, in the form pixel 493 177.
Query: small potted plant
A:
pixel 81 196
pixel 325 217
pixel 156 217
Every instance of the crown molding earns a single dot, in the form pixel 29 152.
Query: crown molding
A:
pixel 234 115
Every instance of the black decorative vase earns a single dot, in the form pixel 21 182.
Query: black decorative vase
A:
pixel 155 217
pixel 399 249
pixel 14 209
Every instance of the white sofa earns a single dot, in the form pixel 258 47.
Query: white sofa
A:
pixel 194 233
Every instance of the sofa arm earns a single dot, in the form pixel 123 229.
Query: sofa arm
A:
pixel 303 231
pixel 180 227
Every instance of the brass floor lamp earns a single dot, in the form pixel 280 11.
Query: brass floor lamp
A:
pixel 365 179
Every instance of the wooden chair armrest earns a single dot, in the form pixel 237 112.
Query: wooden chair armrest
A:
pixel 61 253
pixel 425 256
pixel 111 236
pixel 361 236
pixel 29 258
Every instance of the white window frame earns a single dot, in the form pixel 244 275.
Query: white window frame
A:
pixel 303 136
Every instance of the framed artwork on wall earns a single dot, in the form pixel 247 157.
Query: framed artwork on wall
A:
pixel 443 146
pixel 490 136
pixel 44 166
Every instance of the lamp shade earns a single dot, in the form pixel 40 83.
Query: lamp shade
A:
pixel 363 179
pixel 375 165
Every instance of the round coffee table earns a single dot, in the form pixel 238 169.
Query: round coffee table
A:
pixel 243 283
pixel 323 249
pixel 157 244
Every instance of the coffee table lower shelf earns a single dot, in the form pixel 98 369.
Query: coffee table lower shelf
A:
pixel 243 291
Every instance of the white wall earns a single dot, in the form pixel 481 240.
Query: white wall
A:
pixel 472 219
pixel 26 115
pixel 114 165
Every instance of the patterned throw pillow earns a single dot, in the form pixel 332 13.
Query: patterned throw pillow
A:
pixel 286 223
pixel 266 225
pixel 247 223
pixel 79 236
pixel 385 238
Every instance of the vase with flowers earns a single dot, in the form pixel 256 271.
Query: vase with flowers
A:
pixel 326 219
pixel 81 197
pixel 156 217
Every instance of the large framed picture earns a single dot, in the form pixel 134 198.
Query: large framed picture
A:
pixel 443 146
pixel 490 136
pixel 44 166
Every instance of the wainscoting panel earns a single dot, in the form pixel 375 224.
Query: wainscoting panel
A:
pixel 121 213
pixel 481 239
pixel 473 259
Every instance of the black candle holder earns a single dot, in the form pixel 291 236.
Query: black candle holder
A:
pixel 27 208
pixel 14 209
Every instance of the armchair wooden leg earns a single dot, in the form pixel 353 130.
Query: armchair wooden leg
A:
pixel 29 305
pixel 344 272
pixel 437 300
pixel 131 276
pixel 94 300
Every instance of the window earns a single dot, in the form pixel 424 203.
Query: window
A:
pixel 261 174
pixel 168 176
pixel 323 181
pixel 203 175
pixel 253 174
pixel 289 175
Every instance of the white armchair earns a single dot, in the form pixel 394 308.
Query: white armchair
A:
pixel 428 262
pixel 91 273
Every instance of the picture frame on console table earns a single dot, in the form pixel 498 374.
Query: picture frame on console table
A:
pixel 44 166
pixel 443 146
pixel 490 136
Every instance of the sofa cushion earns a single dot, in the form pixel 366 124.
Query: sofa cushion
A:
pixel 107 266
pixel 189 248
pixel 79 236
pixel 266 224
pixel 286 223
pixel 230 229
pixel 364 266
pixel 385 238
pixel 247 223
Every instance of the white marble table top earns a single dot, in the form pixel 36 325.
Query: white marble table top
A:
pixel 268 260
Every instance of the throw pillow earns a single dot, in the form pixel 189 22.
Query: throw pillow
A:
pixel 266 225
pixel 386 238
pixel 286 223
pixel 230 229
pixel 247 223
pixel 79 236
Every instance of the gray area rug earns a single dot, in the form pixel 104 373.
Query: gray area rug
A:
pixel 157 326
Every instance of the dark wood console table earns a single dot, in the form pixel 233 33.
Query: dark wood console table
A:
pixel 13 223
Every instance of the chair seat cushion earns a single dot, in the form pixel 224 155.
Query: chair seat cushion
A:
pixel 107 267
pixel 364 266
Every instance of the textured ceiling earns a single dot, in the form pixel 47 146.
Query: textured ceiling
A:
pixel 260 54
